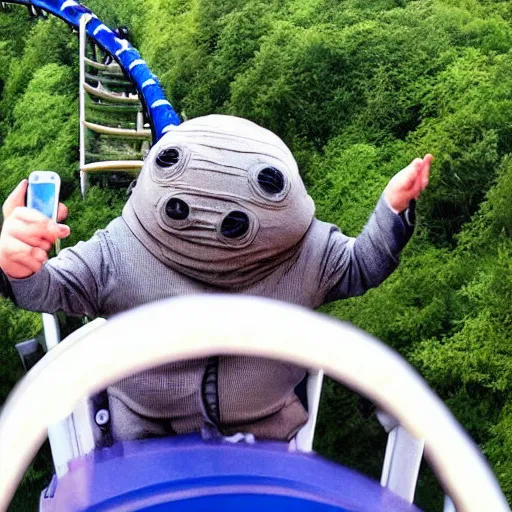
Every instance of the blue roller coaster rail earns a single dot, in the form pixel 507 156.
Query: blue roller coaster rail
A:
pixel 159 110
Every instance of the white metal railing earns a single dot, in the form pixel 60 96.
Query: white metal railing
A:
pixel 109 97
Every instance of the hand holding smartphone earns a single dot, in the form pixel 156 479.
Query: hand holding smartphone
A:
pixel 26 238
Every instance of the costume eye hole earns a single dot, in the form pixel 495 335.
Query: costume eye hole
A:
pixel 271 180
pixel 177 209
pixel 168 157
pixel 235 225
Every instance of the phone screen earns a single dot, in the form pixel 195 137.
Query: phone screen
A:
pixel 42 198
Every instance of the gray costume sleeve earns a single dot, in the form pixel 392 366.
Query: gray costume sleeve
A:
pixel 76 281
pixel 354 265
pixel 5 287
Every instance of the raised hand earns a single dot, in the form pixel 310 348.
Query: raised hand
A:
pixel 27 235
pixel 408 183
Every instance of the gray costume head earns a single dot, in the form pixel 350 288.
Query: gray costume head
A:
pixel 220 199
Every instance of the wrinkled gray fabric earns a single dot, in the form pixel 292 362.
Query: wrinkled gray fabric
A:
pixel 217 173
pixel 113 272
pixel 147 255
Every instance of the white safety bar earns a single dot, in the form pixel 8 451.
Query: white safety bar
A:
pixel 72 436
pixel 113 69
pixel 448 505
pixel 402 460
pixel 61 434
pixel 297 335
pixel 306 435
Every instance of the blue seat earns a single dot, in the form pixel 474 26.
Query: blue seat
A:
pixel 195 475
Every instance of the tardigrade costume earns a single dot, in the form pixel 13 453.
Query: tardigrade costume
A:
pixel 219 207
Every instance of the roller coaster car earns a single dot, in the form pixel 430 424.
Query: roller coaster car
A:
pixel 188 473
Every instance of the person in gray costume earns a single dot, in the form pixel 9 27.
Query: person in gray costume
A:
pixel 219 206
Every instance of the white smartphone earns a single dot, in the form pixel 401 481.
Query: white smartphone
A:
pixel 43 192
pixel 43 195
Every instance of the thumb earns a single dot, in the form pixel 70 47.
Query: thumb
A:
pixel 16 198
pixel 409 175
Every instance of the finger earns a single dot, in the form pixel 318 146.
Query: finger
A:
pixel 17 252
pixel 419 179
pixel 30 262
pixel 42 225
pixel 422 176
pixel 415 190
pixel 428 158
pixel 60 230
pixel 425 177
pixel 39 254
pixel 30 215
pixel 62 212
pixel 410 175
pixel 16 198
pixel 425 172
pixel 17 271
pixel 31 234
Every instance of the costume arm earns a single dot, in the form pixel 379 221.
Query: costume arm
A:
pixel 354 265
pixel 74 282
pixel 5 286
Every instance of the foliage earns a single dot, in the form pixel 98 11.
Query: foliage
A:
pixel 93 213
pixel 43 135
pixel 356 88
pixel 46 43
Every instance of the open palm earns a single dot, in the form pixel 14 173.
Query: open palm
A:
pixel 408 183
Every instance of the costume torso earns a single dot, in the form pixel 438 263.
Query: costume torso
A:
pixel 254 394
pixel 219 207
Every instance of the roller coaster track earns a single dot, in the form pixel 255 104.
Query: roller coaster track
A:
pixel 115 90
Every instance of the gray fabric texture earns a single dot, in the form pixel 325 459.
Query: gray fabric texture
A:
pixel 171 241
pixel 219 159
pixel 113 272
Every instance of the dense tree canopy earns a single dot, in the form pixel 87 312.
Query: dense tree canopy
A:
pixel 357 88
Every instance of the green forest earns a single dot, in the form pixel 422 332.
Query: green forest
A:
pixel 357 89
